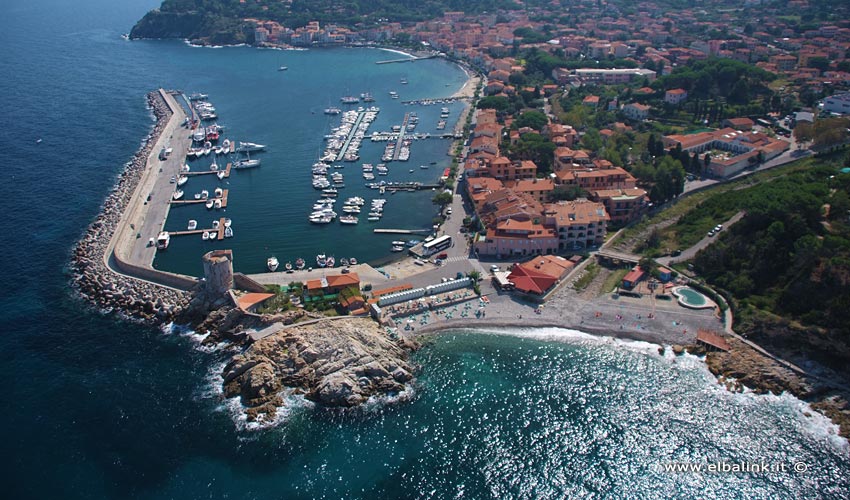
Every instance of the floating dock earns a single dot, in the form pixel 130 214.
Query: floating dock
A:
pixel 400 139
pixel 406 59
pixel 203 200
pixel 220 230
pixel 208 172
pixel 351 134
pixel 401 231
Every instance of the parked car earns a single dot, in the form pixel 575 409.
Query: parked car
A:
pixel 494 268
pixel 443 256
pixel 711 233
pixel 718 227
pixel 675 253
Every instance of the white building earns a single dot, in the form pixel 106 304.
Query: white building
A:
pixel 838 104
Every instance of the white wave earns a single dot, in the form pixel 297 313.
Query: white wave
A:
pixel 376 403
pixel 196 338
pixel 568 335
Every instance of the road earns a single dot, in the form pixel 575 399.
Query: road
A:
pixel 689 253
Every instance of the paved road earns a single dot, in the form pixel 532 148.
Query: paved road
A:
pixel 692 251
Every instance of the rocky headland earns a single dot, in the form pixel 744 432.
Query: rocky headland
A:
pixel 337 363
pixel 92 277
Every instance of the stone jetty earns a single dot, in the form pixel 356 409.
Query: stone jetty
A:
pixel 92 277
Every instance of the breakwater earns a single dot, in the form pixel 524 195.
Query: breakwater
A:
pixel 92 277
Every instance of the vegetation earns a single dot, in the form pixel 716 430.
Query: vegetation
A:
pixel 789 255
pixel 587 276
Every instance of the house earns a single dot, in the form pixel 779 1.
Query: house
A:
pixel 636 111
pixel 591 101
pixel 664 274
pixel 622 205
pixel 539 189
pixel 355 304
pixel 738 123
pixel 531 281
pixel 578 224
pixel 332 283
pixel 250 302
pixel 675 96
pixel 633 277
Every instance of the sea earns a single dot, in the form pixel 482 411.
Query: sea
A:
pixel 98 407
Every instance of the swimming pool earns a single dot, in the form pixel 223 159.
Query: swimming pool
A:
pixel 688 297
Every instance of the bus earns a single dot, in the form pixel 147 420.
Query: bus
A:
pixel 437 244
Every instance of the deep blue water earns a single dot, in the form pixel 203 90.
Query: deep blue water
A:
pixel 95 407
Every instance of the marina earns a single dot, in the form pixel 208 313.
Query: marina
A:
pixel 218 231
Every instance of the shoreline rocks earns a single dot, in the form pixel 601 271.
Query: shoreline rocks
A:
pixel 91 277
pixel 335 363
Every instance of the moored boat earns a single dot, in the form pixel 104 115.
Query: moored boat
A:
pixel 193 224
pixel 321 260
pixel 162 240
pixel 272 263
pixel 299 263
pixel 178 194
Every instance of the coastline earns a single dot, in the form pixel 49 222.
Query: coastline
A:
pixel 92 257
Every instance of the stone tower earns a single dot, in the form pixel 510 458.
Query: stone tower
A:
pixel 218 272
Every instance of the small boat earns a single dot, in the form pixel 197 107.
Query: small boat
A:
pixel 182 180
pixel 397 248
pixel 205 235
pixel 197 96
pixel 210 204
pixel 215 224
pixel 247 162
pixel 398 243
pixel 178 194
pixel 205 194
pixel 352 261
pixel 403 81
pixel 38 141
pixel 193 224
pixel 220 174
pixel 321 260
pixel 244 147
pixel 228 222
pixel 272 263
pixel 228 232
pixel 218 192
pixel 282 68
pixel 163 240
pixel 299 263
pixel 331 262
pixel 217 203
pixel 332 111
pixel 348 219
pixel 288 266
pixel 348 99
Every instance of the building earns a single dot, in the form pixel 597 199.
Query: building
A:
pixel 578 224
pixel 675 96
pixel 517 236
pixel 539 189
pixel 622 205
pixel 633 277
pixel 332 283
pixel 838 104
pixel 738 123
pixel 604 76
pixel 539 274
pixel 636 111
pixel 730 150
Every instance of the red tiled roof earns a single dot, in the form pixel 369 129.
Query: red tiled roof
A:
pixel 530 280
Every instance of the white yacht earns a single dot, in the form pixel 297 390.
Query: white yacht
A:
pixel 244 147
pixel 272 263
pixel 163 240
pixel 193 224
pixel 178 194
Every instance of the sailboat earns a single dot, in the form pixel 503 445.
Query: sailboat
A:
pixel 247 163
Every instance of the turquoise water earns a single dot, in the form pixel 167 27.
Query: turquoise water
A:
pixel 99 408
pixel 691 297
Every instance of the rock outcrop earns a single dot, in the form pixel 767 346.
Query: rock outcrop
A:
pixel 335 363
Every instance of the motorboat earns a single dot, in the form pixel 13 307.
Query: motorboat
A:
pixel 199 135
pixel 331 262
pixel 193 224
pixel 228 222
pixel 321 260
pixel 282 68
pixel 178 194
pixel 397 248
pixel 244 147
pixel 214 166
pixel 228 232
pixel 349 99
pixel 348 219
pixel 210 204
pixel 215 224
pixel 205 194
pixel 205 235
pixel 162 240
pixel 352 261
pixel 182 180
pixel 398 243
pixel 288 266
pixel 272 263
pixel 343 261
pixel 197 96
pixel 218 192
pixel 299 263
pixel 221 174
pixel 217 203
pixel 332 111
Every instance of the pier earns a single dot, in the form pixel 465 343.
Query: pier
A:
pixel 436 100
pixel 401 231
pixel 204 200
pixel 219 231
pixel 405 59
pixel 207 172
pixel 351 134
pixel 400 139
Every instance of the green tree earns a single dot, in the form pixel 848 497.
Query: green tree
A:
pixel 442 199
pixel 534 119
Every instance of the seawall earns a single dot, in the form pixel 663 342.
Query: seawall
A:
pixel 100 273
